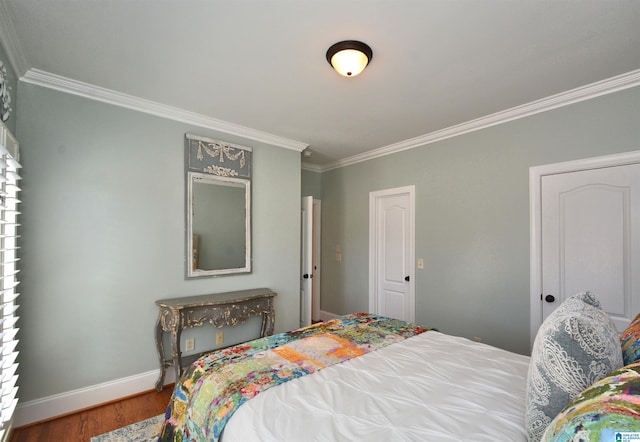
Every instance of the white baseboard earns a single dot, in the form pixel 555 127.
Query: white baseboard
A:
pixel 325 316
pixel 59 404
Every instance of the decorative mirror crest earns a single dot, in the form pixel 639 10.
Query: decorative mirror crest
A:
pixel 218 207
pixel 5 97
pixel 218 158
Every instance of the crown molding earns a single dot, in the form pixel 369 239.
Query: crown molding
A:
pixel 67 85
pixel 312 167
pixel 63 84
pixel 604 87
pixel 10 42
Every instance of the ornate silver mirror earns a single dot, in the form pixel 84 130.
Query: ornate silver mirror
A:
pixel 218 207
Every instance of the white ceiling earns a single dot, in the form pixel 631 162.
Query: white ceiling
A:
pixel 261 63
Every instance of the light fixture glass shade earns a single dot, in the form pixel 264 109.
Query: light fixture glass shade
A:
pixel 349 62
pixel 350 57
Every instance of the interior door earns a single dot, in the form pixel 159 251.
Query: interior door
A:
pixel 392 253
pixel 591 239
pixel 306 261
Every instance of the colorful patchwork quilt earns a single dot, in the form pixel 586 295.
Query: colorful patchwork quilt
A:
pixel 215 385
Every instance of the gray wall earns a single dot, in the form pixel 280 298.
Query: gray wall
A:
pixel 311 184
pixel 103 237
pixel 472 215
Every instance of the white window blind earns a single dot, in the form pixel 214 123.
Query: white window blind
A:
pixel 9 166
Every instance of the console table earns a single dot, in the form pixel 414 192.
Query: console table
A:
pixel 219 309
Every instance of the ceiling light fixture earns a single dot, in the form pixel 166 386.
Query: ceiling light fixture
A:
pixel 349 57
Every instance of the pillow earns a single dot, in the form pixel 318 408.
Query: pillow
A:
pixel 576 346
pixel 630 342
pixel 608 407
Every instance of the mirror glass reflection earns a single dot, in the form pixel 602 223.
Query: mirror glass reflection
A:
pixel 219 225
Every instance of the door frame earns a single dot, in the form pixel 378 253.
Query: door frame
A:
pixel 306 260
pixel 535 219
pixel 373 249
pixel 317 256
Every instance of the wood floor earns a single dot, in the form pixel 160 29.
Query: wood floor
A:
pixel 83 425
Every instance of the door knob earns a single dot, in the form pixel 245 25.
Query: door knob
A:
pixel 406 278
pixel 549 298
pixel 305 276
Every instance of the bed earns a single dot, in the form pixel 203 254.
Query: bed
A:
pixel 419 390
pixel 367 377
pixel 425 386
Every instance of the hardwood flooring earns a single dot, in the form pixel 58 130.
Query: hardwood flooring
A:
pixel 81 426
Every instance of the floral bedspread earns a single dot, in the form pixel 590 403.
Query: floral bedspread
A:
pixel 214 386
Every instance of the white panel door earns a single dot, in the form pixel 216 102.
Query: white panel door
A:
pixel 393 254
pixel 591 239
pixel 306 261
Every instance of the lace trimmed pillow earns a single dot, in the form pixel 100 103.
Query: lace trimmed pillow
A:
pixel 576 346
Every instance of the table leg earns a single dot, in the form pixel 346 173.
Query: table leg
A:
pixel 268 320
pixel 160 348
pixel 175 351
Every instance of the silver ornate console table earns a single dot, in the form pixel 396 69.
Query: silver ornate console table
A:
pixel 219 309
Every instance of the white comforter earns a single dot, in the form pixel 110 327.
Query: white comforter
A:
pixel 431 387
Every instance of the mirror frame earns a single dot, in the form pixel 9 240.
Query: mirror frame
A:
pixel 216 161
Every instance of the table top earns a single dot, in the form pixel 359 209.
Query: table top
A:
pixel 216 298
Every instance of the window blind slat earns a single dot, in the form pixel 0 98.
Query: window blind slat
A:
pixel 10 407
pixel 8 335
pixel 9 309
pixel 8 347
pixel 8 235
pixel 12 163
pixel 11 401
pixel 12 260
pixel 9 372
pixel 8 386
pixel 10 274
pixel 9 297
pixel 8 361
pixel 8 321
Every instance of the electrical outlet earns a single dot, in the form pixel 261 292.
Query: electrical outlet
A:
pixel 219 338
pixel 190 344
pixel 420 264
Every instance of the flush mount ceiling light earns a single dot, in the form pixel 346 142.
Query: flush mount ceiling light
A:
pixel 349 57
